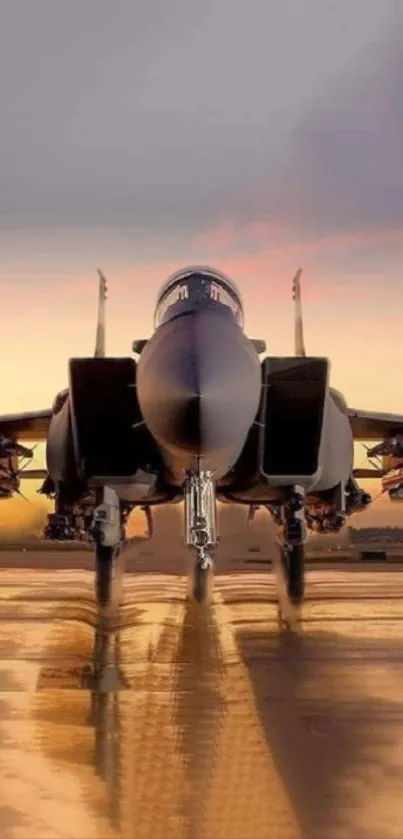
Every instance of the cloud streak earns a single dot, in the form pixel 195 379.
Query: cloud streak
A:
pixel 347 157
pixel 167 119
pixel 267 253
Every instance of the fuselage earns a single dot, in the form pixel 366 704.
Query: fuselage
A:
pixel 199 385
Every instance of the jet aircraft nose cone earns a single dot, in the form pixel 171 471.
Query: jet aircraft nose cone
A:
pixel 198 384
pixel 187 421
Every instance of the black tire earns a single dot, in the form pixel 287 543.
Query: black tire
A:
pixel 104 565
pixel 293 561
pixel 201 583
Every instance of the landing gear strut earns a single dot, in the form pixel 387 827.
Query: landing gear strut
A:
pixel 294 533
pixel 201 529
pixel 108 534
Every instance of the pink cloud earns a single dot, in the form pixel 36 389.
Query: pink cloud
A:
pixel 353 240
pixel 261 256
pixel 237 236
pixel 221 237
pixel 261 229
pixel 258 274
pixel 263 253
pixel 84 286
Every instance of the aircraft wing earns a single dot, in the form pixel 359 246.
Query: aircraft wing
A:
pixel 370 425
pixel 32 425
pixel 366 425
pixel 34 474
pixel 368 474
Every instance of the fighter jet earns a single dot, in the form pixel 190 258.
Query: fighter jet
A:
pixel 200 415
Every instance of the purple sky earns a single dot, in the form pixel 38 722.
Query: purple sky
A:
pixel 256 137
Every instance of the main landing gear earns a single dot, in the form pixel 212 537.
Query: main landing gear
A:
pixel 293 532
pixel 292 548
pixel 108 533
pixel 201 529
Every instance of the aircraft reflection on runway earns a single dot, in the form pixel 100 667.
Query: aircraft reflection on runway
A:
pixel 106 680
pixel 105 683
pixel 177 735
pixel 190 648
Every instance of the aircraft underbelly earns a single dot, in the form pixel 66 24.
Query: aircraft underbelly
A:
pixel 220 462
pixel 142 486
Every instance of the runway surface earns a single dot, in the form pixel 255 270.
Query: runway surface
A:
pixel 208 723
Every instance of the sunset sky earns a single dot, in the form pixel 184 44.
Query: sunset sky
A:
pixel 256 137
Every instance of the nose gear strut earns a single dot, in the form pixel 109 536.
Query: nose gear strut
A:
pixel 200 528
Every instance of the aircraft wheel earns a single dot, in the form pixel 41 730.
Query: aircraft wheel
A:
pixel 293 560
pixel 202 582
pixel 104 557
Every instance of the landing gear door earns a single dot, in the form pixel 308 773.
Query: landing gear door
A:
pixel 295 395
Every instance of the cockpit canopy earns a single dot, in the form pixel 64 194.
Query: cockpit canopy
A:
pixel 188 288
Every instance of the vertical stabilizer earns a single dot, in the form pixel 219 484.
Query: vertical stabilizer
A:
pixel 299 347
pixel 100 337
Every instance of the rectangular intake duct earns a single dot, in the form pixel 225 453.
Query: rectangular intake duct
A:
pixel 295 395
pixel 104 410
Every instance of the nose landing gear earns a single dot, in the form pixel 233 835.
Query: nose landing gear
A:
pixel 201 529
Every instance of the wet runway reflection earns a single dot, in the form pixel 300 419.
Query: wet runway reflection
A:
pixel 155 717
pixel 105 682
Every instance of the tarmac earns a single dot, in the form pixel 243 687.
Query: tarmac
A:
pixel 204 722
